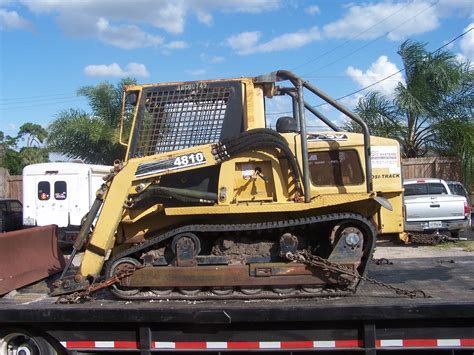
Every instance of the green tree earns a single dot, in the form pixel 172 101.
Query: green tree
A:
pixel 33 133
pixel 436 94
pixel 92 137
pixel 431 111
pixel 14 159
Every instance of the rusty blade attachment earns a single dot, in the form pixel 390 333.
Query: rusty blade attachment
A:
pixel 28 255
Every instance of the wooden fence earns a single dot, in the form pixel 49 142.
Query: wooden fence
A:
pixel 10 185
pixel 432 167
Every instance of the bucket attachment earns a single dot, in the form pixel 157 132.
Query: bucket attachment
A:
pixel 28 255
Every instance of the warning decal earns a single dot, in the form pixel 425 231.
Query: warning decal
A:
pixel 385 157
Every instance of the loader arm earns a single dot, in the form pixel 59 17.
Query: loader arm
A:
pixel 130 181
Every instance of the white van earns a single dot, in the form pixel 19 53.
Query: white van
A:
pixel 61 194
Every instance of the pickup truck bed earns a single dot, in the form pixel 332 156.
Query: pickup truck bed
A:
pixel 374 319
pixel 430 206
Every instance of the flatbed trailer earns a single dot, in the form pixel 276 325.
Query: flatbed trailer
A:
pixel 376 320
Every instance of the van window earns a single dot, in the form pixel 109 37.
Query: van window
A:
pixel 335 167
pixel 44 190
pixel 60 190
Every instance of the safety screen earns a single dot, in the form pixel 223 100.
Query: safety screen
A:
pixel 172 119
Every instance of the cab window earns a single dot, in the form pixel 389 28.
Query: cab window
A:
pixel 44 190
pixel 335 168
pixel 424 189
pixel 60 190
pixel 457 190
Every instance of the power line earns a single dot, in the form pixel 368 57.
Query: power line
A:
pixel 36 96
pixel 403 69
pixel 385 78
pixel 41 104
pixel 36 100
pixel 373 41
pixel 350 39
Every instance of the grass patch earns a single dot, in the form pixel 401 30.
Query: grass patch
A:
pixel 466 245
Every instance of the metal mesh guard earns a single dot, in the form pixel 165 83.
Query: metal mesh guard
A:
pixel 177 119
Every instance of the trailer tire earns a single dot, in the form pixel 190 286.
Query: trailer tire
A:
pixel 23 342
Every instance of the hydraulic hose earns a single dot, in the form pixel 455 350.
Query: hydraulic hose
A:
pixel 285 149
pixel 253 139
pixel 183 195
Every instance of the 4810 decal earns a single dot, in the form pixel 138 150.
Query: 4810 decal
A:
pixel 189 159
pixel 174 163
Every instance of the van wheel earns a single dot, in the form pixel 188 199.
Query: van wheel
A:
pixel 455 234
pixel 25 343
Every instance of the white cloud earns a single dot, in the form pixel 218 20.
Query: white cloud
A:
pixel 372 20
pixel 121 22
pixel 247 42
pixel 204 17
pixel 212 59
pixel 12 126
pixel 462 8
pixel 114 70
pixel 169 15
pixel 312 10
pixel 196 72
pixel 291 40
pixel 126 37
pixel 467 43
pixel 10 20
pixel 378 70
pixel 448 46
pixel 244 42
pixel 461 58
pixel 176 45
pixel 352 101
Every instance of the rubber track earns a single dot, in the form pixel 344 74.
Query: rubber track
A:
pixel 219 228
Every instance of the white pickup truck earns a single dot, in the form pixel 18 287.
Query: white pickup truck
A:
pixel 431 206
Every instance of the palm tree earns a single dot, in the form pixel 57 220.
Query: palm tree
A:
pixel 92 137
pixel 436 94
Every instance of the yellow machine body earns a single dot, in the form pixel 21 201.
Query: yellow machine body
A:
pixel 255 185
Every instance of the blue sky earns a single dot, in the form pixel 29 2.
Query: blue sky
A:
pixel 50 48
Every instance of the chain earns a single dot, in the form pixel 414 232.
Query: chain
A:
pixel 85 295
pixel 381 261
pixel 427 239
pixel 313 260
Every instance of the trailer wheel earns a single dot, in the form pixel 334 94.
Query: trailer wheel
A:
pixel 24 343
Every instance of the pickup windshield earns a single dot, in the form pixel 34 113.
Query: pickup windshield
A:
pixel 425 189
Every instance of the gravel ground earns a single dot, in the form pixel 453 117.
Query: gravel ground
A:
pixel 387 249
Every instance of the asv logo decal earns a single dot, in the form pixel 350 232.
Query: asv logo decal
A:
pixel 190 159
pixel 174 163
pixel 327 137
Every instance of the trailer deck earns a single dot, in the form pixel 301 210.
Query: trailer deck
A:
pixel 373 320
